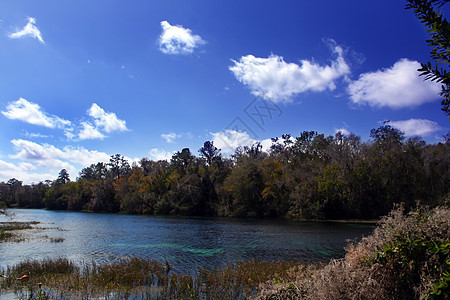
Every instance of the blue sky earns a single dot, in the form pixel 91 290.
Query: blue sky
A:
pixel 82 80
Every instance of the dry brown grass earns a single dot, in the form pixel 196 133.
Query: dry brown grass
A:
pixel 142 279
pixel 370 272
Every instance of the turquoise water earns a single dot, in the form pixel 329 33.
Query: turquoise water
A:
pixel 186 243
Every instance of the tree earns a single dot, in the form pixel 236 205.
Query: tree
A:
pixel 118 166
pixel 428 12
pixel 63 177
pixel 94 171
pixel 181 160
pixel 387 137
pixel 209 152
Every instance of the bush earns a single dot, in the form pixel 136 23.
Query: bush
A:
pixel 406 257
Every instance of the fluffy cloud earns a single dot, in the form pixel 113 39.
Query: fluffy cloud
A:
pixel 23 172
pixel 175 39
pixel 31 113
pixel 106 121
pixel 228 140
pixel 395 87
pixel 54 158
pixel 170 137
pixel 89 132
pixel 30 30
pixel 279 81
pixel 416 127
pixel 103 122
pixel 159 154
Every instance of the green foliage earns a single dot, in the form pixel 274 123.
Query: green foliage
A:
pixel 429 12
pixel 413 253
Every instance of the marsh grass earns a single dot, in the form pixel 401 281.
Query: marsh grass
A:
pixel 9 231
pixel 139 278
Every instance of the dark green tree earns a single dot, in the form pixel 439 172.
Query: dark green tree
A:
pixel 119 166
pixel 387 137
pixel 94 171
pixel 63 177
pixel 429 12
pixel 181 160
pixel 209 152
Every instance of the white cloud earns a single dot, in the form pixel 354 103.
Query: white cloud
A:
pixel 106 121
pixel 395 87
pixel 32 135
pixel 279 81
pixel 37 157
pixel 159 154
pixel 89 132
pixel 30 30
pixel 170 137
pixel 178 40
pixel 53 158
pixel 29 112
pixel 23 172
pixel 266 144
pixel 342 130
pixel 228 140
pixel 416 127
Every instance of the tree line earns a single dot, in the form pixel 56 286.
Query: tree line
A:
pixel 311 176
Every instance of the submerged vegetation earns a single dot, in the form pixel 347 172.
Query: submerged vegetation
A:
pixel 311 176
pixel 9 231
pixel 406 257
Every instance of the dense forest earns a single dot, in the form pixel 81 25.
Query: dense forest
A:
pixel 311 176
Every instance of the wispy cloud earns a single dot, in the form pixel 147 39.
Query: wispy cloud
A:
pixel 176 39
pixel 279 81
pixel 344 131
pixel 416 127
pixel 32 135
pixel 29 112
pixel 395 87
pixel 30 30
pixel 170 137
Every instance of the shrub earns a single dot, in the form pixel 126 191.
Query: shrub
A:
pixel 406 257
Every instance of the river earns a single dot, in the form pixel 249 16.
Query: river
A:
pixel 186 243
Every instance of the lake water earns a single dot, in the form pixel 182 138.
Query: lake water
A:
pixel 187 243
